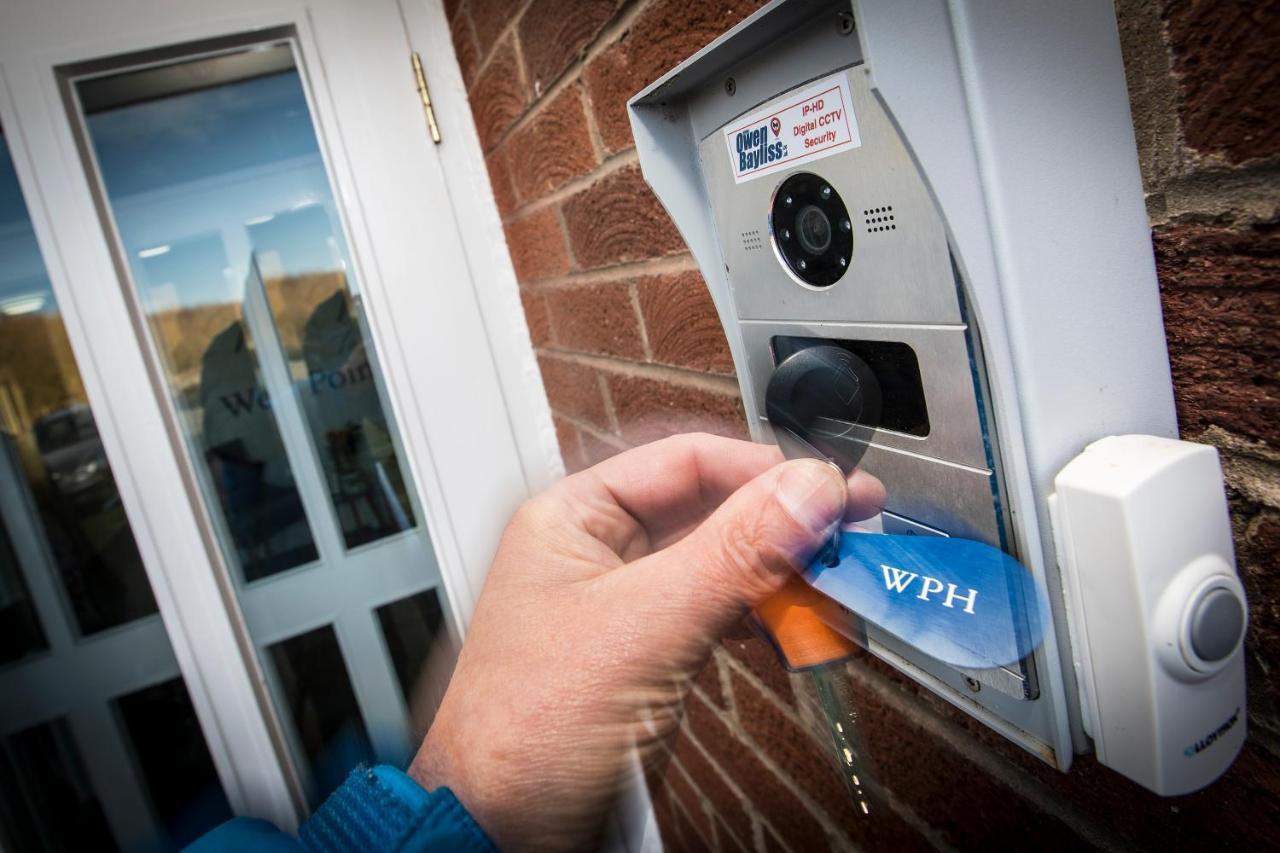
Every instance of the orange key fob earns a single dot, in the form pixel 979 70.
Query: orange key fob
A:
pixel 803 639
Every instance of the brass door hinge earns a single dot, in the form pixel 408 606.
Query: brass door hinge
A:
pixel 421 80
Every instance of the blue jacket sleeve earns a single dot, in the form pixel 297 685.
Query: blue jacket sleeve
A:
pixel 377 808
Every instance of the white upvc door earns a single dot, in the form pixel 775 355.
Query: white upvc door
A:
pixel 286 329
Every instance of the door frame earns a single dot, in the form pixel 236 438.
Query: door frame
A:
pixel 486 463
pixel 632 826
pixel 485 242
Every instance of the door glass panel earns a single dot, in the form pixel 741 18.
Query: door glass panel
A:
pixel 410 627
pixel 20 631
pixel 70 570
pixel 224 209
pixel 224 220
pixel 173 760
pixel 326 717
pixel 47 426
pixel 48 803
pixel 220 390
pixel 329 362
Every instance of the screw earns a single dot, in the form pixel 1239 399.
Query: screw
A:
pixel 972 684
pixel 786 234
pixel 826 192
pixel 844 23
pixel 802 265
pixel 844 262
pixel 787 201
pixel 845 226
pixel 730 86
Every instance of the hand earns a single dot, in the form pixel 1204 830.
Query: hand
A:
pixel 608 594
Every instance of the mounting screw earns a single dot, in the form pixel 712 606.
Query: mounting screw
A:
pixel 844 23
pixel 972 684
pixel 730 86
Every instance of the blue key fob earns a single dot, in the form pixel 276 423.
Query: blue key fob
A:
pixel 962 602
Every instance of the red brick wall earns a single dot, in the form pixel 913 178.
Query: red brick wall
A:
pixel 630 349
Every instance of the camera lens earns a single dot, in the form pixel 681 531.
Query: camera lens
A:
pixel 811 229
pixel 814 229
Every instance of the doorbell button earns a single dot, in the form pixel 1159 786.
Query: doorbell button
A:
pixel 1155 607
pixel 1213 626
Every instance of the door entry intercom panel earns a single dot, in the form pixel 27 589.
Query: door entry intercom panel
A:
pixel 892 298
pixel 905 188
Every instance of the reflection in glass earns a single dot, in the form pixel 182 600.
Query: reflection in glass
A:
pixel 220 390
pixel 410 627
pixel 330 369
pixel 51 442
pixel 216 378
pixel 220 195
pixel 20 631
pixel 46 802
pixel 174 761
pixel 326 719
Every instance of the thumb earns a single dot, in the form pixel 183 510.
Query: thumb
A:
pixel 749 547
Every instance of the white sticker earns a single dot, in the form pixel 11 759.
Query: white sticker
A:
pixel 807 126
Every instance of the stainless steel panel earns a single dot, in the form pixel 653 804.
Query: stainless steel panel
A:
pixel 1017 680
pixel 950 497
pixel 899 526
pixel 1003 692
pixel 901 268
pixel 952 500
pixel 955 431
pixel 942 495
pixel 803 45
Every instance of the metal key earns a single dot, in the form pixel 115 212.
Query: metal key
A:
pixel 822 383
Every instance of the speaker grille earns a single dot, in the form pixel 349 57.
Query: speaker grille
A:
pixel 752 240
pixel 878 219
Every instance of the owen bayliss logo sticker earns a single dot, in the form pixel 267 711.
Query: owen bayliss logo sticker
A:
pixel 803 127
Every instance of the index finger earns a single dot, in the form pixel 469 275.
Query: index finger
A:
pixel 664 488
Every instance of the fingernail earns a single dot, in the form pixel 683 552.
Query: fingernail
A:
pixel 813 493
